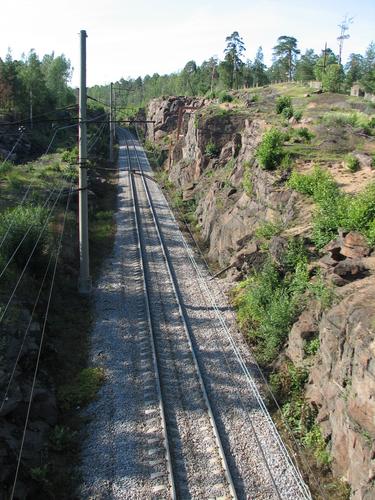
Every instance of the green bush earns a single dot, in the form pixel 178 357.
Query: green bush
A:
pixel 335 209
pixel 62 438
pixel 341 118
pixel 268 304
pixel 314 440
pixel 247 184
pixel 212 150
pixel 352 163
pixel 82 389
pixel 297 115
pixel 270 152
pixel 20 220
pixel 267 230
pixel 5 167
pixel 287 113
pixel 304 133
pixel 283 102
pixel 319 184
pixel 70 156
pixel 289 382
pixel 311 346
pixel 224 97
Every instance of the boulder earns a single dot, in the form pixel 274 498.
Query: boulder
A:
pixel 355 245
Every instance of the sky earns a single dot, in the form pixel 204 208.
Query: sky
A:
pixel 131 38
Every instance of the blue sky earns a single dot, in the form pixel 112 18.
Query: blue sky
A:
pixel 132 38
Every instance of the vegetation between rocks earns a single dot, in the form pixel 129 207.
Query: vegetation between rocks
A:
pixel 336 209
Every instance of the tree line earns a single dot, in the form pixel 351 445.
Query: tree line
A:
pixel 234 71
pixel 33 83
pixel 43 84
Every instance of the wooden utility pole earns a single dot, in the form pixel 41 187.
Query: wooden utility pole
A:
pixel 84 284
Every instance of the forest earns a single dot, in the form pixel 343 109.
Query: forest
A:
pixel 215 76
pixel 34 85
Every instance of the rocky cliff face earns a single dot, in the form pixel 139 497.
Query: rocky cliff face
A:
pixel 234 196
pixel 342 385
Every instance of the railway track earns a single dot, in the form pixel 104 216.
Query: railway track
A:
pixel 185 452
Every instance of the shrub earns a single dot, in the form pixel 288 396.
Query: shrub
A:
pixel 270 151
pixel 267 306
pixel 304 133
pixel 311 346
pixel 70 156
pixel 314 440
pixel 287 113
pixel 319 184
pixel 289 381
pixel 212 150
pixel 5 167
pixel 336 209
pixel 322 291
pixel 224 97
pixel 352 163
pixel 267 230
pixel 298 115
pixel 247 184
pixel 62 438
pixel 83 389
pixel 283 102
pixel 19 221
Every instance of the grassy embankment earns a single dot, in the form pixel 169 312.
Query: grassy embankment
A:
pixel 64 357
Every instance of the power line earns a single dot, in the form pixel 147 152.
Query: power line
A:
pixel 25 334
pixel 29 258
pixel 24 237
pixel 40 350
pixel 13 148
pixel 26 120
pixel 12 221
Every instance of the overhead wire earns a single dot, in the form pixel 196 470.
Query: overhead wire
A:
pixel 12 221
pixel 27 120
pixel 25 335
pixel 96 136
pixel 13 148
pixel 40 350
pixel 48 217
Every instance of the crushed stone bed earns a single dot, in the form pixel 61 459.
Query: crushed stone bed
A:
pixel 115 462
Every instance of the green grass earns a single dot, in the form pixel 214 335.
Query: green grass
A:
pixel 267 230
pixel 352 118
pixel 311 346
pixel 212 150
pixel 352 163
pixel 336 209
pixel 24 222
pixel 268 304
pixel 82 389
pixel 247 184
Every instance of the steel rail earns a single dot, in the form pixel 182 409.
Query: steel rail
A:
pixel 294 469
pixel 146 294
pixel 186 327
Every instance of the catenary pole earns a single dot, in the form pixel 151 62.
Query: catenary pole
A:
pixel 111 127
pixel 84 284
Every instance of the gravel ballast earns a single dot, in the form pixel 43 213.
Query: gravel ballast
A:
pixel 116 450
